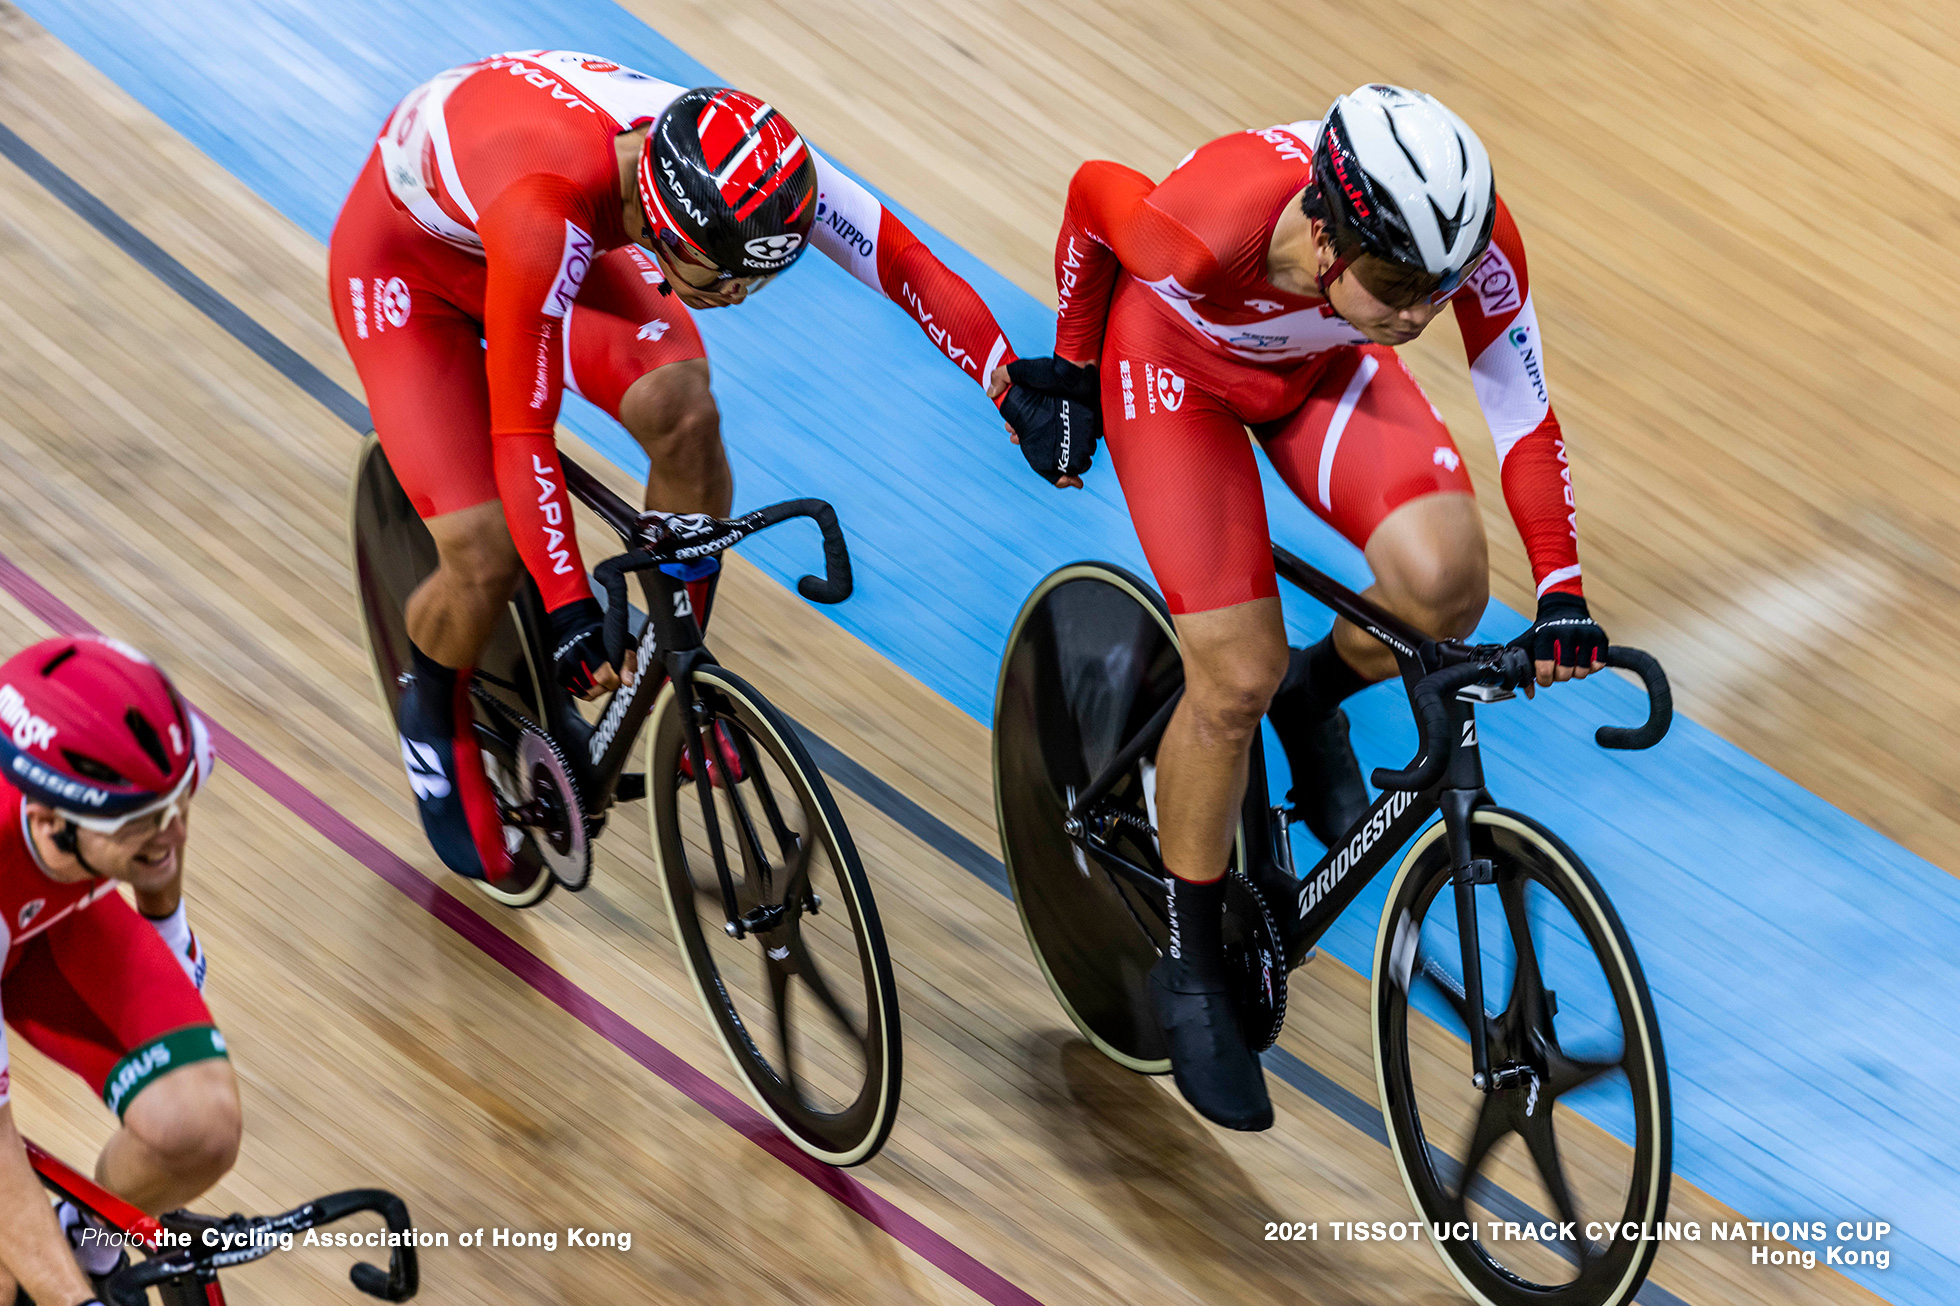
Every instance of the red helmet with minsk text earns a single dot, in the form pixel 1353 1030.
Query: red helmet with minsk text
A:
pixel 95 730
pixel 1409 178
pixel 725 179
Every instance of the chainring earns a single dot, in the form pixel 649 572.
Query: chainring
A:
pixel 544 779
pixel 1255 963
pixel 542 776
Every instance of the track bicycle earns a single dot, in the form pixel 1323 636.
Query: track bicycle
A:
pixel 185 1252
pixel 764 889
pixel 1088 683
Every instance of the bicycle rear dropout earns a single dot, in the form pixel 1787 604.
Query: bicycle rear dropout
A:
pixel 1518 1057
pixel 763 888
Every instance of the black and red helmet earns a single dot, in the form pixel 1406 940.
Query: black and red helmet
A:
pixel 95 730
pixel 729 179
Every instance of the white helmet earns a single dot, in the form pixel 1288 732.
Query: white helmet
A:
pixel 1409 178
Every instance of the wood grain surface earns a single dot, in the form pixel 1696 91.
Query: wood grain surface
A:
pixel 181 494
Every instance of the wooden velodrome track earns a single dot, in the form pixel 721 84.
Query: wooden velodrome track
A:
pixel 1754 394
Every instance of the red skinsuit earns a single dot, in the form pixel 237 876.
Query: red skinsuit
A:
pixel 86 979
pixel 479 265
pixel 1165 284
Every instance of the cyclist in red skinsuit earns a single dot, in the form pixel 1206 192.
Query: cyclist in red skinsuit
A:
pixel 1264 284
pixel 101 759
pixel 509 238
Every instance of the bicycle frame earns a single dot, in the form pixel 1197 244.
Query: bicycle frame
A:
pixel 671 637
pixel 1367 847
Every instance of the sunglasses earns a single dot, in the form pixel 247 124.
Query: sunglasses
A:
pixel 140 825
pixel 1445 289
pixel 700 274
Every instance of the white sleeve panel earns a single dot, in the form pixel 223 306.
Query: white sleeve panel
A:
pixel 847 224
pixel 1509 377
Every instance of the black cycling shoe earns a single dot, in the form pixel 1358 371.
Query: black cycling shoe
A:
pixel 1328 792
pixel 1215 1071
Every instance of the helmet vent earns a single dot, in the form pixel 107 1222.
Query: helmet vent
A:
pixel 90 769
pixel 146 738
pixel 1407 153
pixel 48 668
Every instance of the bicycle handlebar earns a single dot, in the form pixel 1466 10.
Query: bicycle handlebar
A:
pixel 1508 670
pixel 249 1239
pixel 683 537
pixel 1660 701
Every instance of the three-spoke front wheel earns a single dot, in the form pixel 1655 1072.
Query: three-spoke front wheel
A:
pixel 1569 1025
pixel 804 1001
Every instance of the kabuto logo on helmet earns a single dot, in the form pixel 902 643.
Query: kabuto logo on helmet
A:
pixel 768 248
pixel 734 180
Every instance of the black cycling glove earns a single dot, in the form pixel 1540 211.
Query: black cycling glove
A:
pixel 1564 633
pixel 578 644
pixel 1055 407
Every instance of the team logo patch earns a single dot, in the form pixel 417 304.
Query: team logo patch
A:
pixel 654 329
pixel 29 730
pixel 1170 389
pixel 30 910
pixel 573 264
pixel 424 765
pixel 1496 284
pixel 771 249
pixel 599 66
pixel 392 302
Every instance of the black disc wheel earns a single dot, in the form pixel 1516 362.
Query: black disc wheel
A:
pixel 393 553
pixel 1574 1137
pixel 1091 660
pixel 804 1001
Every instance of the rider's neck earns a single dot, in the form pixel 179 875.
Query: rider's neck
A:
pixel 627 146
pixel 1298 252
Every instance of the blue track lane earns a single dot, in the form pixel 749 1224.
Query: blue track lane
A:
pixel 1803 965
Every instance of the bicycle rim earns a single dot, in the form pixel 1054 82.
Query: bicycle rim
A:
pixel 1573 1018
pixel 806 1007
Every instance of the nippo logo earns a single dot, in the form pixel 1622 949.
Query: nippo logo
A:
pixel 1170 389
pixel 773 249
pixel 29 731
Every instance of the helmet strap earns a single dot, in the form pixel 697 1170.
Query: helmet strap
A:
pixel 1325 279
pixel 69 840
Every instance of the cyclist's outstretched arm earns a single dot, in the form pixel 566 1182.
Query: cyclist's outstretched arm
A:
pixel 1499 325
pixel 869 242
pixel 537 243
pixel 31 1242
pixel 1109 226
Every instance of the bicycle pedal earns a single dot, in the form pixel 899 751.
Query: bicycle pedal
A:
pixel 630 787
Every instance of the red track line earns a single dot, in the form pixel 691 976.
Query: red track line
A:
pixel 534 971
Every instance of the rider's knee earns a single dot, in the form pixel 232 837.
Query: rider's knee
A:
pixel 671 411
pixel 1232 688
pixel 191 1121
pixel 1438 578
pixel 484 560
pixel 1449 591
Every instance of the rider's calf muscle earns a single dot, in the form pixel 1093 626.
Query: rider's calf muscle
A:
pixel 452 613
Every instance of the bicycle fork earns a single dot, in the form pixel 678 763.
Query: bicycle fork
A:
pixel 1462 793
